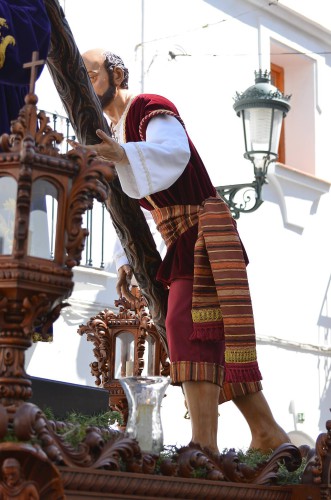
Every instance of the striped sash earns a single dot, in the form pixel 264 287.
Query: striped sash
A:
pixel 221 300
pixel 173 221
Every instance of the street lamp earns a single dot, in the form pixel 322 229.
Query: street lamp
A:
pixel 262 108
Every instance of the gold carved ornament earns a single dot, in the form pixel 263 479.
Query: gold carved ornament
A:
pixel 4 42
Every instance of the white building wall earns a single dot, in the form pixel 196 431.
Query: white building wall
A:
pixel 218 46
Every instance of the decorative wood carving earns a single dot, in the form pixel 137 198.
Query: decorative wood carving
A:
pixel 89 184
pixel 318 468
pixel 37 477
pixel 32 289
pixel 130 486
pixel 108 449
pixel 104 328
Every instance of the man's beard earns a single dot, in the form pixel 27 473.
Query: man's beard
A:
pixel 107 97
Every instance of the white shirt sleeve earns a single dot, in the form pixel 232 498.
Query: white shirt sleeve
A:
pixel 154 165
pixel 119 254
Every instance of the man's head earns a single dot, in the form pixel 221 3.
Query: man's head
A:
pixel 107 72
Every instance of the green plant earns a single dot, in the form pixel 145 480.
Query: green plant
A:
pixel 286 477
pixel 169 453
pixel 255 457
pixel 252 458
pixel 75 425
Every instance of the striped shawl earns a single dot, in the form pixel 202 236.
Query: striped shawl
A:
pixel 221 302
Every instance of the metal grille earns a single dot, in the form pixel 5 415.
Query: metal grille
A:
pixel 94 220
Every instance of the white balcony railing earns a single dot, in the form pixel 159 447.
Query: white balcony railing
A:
pixel 97 220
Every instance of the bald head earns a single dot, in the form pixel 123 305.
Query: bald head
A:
pixel 94 59
pixel 11 462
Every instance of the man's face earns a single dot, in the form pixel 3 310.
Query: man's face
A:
pixel 11 475
pixel 103 87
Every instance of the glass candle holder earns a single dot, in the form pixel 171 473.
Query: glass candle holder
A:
pixel 144 395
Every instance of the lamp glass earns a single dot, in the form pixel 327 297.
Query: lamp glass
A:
pixel 124 355
pixel 262 131
pixel 149 356
pixel 43 215
pixel 8 194
pixel 144 395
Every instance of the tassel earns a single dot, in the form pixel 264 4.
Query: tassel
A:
pixel 249 372
pixel 208 331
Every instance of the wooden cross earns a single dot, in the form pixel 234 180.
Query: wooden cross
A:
pixel 33 65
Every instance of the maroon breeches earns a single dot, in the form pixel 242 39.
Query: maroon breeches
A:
pixel 179 328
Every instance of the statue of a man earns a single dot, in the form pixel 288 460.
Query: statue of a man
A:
pixel 13 486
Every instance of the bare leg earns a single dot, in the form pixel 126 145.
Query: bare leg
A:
pixel 267 435
pixel 202 403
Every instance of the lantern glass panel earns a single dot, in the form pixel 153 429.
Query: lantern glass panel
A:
pixel 258 124
pixel 276 130
pixel 262 132
pixel 43 219
pixel 124 355
pixel 149 356
pixel 8 194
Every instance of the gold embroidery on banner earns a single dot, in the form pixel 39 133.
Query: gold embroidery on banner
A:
pixel 204 315
pixel 4 42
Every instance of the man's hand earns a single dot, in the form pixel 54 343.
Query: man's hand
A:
pixel 124 276
pixel 108 149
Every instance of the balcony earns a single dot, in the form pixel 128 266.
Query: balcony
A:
pixel 97 221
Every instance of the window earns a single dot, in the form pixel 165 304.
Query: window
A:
pixel 277 79
pixel 293 73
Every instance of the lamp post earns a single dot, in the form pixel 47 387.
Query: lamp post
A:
pixel 262 108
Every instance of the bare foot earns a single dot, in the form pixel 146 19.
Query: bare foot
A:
pixel 269 441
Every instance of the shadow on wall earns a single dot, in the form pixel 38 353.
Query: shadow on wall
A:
pixel 324 322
